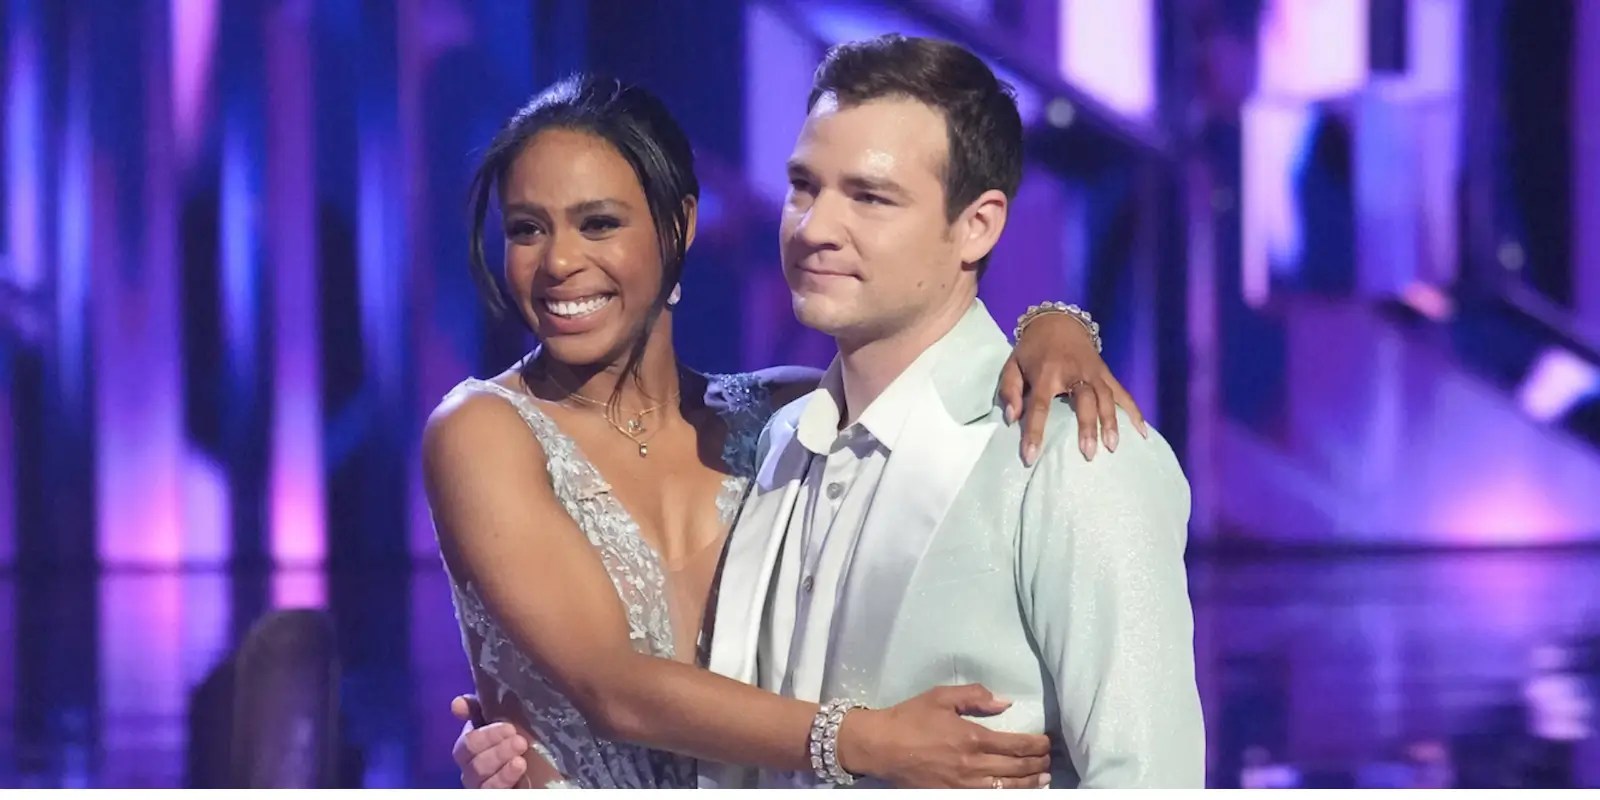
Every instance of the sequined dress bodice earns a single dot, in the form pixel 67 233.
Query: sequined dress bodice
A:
pixel 561 733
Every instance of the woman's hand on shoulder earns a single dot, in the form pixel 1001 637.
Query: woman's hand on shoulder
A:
pixel 789 383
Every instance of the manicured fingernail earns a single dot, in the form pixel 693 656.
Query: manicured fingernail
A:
pixel 1111 441
pixel 1010 416
pixel 1044 781
pixel 1144 429
pixel 1087 446
pixel 1030 453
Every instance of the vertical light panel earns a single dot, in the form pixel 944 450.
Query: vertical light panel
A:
pixel 194 42
pixel 1204 387
pixel 380 208
pixel 1311 49
pixel 428 33
pixel 1150 238
pixel 1307 50
pixel 1435 39
pixel 1273 136
pixel 778 60
pixel 208 511
pixel 238 220
pixel 1407 156
pixel 72 231
pixel 296 502
pixel 1108 50
pixel 1386 160
pixel 381 262
pixel 441 129
pixel 8 472
pixel 1586 166
pixel 194 30
pixel 137 315
pixel 24 121
pixel 778 63
pixel 424 35
pixel 20 254
pixel 1406 168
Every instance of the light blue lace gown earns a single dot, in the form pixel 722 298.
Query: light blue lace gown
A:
pixel 561 734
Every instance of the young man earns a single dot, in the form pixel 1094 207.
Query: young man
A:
pixel 893 540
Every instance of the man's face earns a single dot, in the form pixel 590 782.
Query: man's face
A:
pixel 867 247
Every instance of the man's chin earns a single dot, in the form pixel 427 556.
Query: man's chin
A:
pixel 819 313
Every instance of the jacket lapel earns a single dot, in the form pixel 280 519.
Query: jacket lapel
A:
pixel 750 559
pixel 945 434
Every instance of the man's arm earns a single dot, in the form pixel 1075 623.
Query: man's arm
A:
pixel 1105 595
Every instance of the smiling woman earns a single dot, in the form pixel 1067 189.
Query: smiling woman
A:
pixel 557 231
pixel 625 203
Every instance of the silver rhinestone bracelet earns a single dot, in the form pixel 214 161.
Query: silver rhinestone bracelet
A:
pixel 1083 318
pixel 824 742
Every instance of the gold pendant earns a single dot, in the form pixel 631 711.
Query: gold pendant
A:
pixel 635 424
pixel 644 450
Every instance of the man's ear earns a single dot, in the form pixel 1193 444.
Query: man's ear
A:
pixel 979 226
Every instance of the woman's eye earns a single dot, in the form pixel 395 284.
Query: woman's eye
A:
pixel 523 229
pixel 601 224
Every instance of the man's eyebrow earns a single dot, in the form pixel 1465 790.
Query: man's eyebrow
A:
pixel 873 183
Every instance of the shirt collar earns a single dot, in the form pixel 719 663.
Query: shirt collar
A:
pixel 818 426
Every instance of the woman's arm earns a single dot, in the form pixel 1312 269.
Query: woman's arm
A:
pixel 1055 356
pixel 501 528
pixel 789 383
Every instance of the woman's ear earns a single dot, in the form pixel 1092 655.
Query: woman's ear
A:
pixel 691 216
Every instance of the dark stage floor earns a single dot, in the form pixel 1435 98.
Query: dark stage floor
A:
pixel 1328 662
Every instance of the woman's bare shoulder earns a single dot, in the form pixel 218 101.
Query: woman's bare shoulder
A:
pixel 479 432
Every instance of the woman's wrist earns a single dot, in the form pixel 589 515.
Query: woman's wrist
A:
pixel 1049 309
pixel 859 735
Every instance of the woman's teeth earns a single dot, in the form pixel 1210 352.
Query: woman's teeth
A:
pixel 577 308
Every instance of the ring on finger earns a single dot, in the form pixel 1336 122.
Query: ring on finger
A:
pixel 1078 384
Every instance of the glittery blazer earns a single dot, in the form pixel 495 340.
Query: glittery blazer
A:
pixel 1060 587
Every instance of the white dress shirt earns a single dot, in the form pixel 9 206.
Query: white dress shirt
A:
pixel 845 469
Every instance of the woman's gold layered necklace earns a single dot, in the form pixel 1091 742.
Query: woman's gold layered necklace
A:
pixel 631 426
